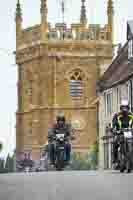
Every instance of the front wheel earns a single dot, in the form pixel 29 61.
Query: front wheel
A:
pixel 60 161
pixel 122 161
pixel 129 163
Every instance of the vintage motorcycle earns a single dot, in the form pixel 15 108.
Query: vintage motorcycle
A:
pixel 24 165
pixel 125 149
pixel 60 154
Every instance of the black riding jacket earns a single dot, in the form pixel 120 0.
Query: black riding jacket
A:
pixel 56 129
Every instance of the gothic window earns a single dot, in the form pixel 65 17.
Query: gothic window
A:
pixel 76 84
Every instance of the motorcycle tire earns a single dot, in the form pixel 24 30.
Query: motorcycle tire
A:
pixel 122 163
pixel 60 161
pixel 129 163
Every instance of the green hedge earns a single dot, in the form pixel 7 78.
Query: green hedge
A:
pixel 88 161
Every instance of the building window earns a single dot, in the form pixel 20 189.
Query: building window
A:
pixel 130 49
pixel 129 93
pixel 108 104
pixel 76 84
pixel 105 107
pixel 120 95
pixel 117 100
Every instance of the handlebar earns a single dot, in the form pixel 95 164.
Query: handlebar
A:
pixel 119 132
pixel 53 137
pixel 123 129
pixel 116 132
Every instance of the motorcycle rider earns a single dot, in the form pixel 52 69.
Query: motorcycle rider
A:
pixel 27 161
pixel 60 126
pixel 123 119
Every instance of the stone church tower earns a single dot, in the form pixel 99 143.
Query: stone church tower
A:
pixel 58 69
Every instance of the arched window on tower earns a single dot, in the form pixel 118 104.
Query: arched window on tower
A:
pixel 76 84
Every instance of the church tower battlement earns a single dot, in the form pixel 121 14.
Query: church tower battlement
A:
pixel 61 33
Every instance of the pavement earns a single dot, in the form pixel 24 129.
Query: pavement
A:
pixel 68 185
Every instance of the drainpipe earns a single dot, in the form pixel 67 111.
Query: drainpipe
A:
pixel 97 120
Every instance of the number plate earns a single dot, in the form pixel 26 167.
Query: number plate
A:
pixel 128 134
pixel 60 135
pixel 62 148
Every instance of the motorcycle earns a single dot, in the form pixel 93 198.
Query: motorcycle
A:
pixel 60 154
pixel 24 166
pixel 27 169
pixel 125 149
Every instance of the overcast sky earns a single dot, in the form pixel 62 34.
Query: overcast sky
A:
pixel 96 13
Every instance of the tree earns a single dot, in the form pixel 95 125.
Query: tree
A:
pixel 93 154
pixel 11 163
pixel 1 146
pixel 80 162
pixel 2 170
pixel 7 163
pixel 85 161
pixel 9 166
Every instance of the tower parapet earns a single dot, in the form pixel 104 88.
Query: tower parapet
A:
pixel 61 32
pixel 45 33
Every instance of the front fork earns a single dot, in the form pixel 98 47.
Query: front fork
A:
pixel 57 149
pixel 125 152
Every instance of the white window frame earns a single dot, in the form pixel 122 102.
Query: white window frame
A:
pixel 130 49
pixel 129 93
pixel 117 98
pixel 108 103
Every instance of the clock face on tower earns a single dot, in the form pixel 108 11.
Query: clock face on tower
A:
pixel 78 123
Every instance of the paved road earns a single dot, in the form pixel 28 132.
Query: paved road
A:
pixel 75 185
